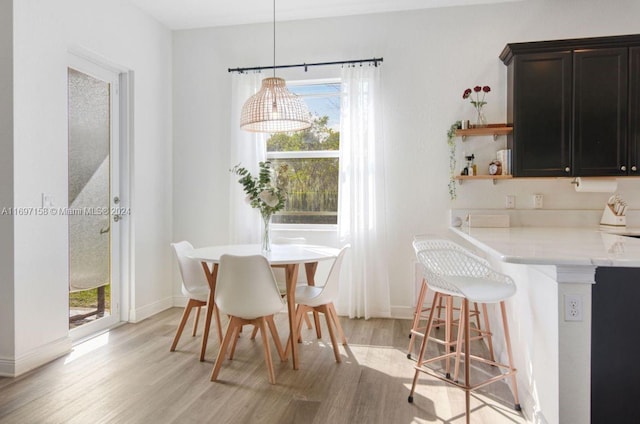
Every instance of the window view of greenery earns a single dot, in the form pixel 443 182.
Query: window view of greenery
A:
pixel 307 161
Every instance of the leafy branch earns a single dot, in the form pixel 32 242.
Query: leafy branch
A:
pixel 451 141
pixel 261 192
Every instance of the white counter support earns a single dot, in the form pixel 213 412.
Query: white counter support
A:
pixel 574 345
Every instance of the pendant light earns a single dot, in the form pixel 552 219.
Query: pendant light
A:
pixel 274 109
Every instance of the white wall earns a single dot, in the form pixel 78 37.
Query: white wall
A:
pixel 6 178
pixel 430 57
pixel 119 34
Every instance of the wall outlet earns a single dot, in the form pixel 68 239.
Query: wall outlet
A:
pixel 537 201
pixel 510 201
pixel 572 307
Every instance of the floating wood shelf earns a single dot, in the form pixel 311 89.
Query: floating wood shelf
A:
pixel 492 129
pixel 462 178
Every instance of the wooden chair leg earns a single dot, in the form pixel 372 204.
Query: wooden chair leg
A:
pixel 254 333
pixel 316 320
pixel 216 311
pixel 223 348
pixel 276 338
pixel 336 321
pixel 195 321
pixel 183 322
pixel 307 321
pixel 267 350
pixel 300 310
pixel 332 335
pixel 234 341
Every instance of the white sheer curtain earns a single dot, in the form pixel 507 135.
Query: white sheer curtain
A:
pixel 247 149
pixel 364 291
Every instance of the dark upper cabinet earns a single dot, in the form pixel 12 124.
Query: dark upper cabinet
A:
pixel 634 111
pixel 574 106
pixel 600 112
pixel 541 106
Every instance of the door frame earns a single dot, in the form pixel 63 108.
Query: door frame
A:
pixel 121 145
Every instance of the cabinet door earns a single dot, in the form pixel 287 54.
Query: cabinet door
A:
pixel 600 112
pixel 634 111
pixel 541 143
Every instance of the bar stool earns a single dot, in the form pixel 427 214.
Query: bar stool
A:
pixel 453 271
pixel 422 314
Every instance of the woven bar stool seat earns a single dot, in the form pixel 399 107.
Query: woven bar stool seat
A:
pixel 421 315
pixel 453 271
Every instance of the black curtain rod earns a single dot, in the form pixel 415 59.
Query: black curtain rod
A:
pixel 306 65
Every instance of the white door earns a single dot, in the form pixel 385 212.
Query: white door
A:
pixel 94 209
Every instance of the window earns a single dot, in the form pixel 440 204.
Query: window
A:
pixel 307 161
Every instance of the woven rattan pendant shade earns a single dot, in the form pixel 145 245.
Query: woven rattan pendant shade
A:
pixel 274 109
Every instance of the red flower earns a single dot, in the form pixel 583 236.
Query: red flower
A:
pixel 486 88
pixel 466 93
pixel 477 88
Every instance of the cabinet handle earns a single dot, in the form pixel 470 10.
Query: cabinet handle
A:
pixel 623 168
pixel 634 168
pixel 567 169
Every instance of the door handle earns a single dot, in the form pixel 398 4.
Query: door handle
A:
pixel 104 230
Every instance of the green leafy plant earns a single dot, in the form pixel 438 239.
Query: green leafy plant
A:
pixel 451 141
pixel 262 192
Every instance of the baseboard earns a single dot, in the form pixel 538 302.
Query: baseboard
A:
pixel 402 312
pixel 33 359
pixel 146 311
pixel 179 301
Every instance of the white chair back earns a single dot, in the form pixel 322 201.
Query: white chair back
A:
pixel 329 292
pixel 246 288
pixel 194 281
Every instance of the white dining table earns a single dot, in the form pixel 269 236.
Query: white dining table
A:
pixel 287 256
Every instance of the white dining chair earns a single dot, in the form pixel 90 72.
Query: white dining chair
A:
pixel 194 287
pixel 247 291
pixel 320 299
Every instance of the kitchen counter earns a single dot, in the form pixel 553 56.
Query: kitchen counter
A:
pixel 553 350
pixel 557 246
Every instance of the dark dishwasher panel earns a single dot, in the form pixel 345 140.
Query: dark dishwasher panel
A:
pixel 615 346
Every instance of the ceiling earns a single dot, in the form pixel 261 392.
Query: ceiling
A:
pixel 185 14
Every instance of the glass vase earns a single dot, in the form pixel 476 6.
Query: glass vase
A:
pixel 266 233
pixel 481 120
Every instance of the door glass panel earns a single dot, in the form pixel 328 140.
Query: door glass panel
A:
pixel 89 198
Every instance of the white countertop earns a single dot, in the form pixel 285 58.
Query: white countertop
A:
pixel 557 246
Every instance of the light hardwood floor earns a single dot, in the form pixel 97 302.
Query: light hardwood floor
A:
pixel 131 377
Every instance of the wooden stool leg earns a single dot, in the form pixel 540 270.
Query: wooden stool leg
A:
pixel 447 331
pixel 467 359
pixel 487 331
pixel 423 346
pixel 507 337
pixel 459 340
pixel 416 316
